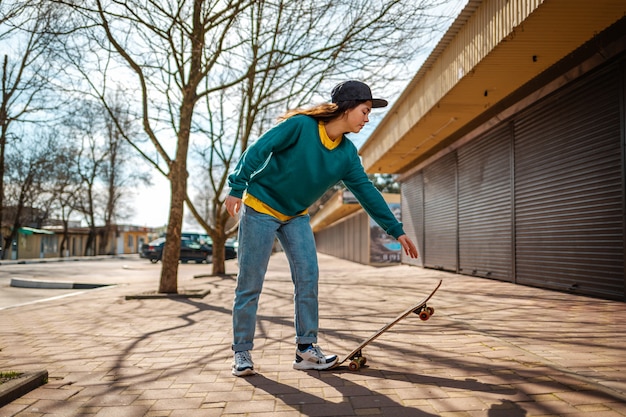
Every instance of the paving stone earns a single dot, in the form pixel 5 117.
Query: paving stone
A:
pixel 479 356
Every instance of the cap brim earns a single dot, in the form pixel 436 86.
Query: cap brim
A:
pixel 379 102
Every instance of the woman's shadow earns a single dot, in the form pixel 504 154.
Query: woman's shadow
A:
pixel 356 397
pixel 506 409
pixel 353 397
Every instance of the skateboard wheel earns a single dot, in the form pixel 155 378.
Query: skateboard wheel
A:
pixel 430 310
pixel 424 315
pixel 356 363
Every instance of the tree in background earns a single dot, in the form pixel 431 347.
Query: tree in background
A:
pixel 39 107
pixel 291 53
pixel 167 49
pixel 29 169
pixel 25 68
pixel 218 73
pixel 64 186
pixel 385 183
pixel 101 167
pixel 118 174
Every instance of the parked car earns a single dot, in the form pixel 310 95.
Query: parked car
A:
pixel 190 250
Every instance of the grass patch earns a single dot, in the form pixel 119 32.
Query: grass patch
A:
pixel 14 384
pixel 7 376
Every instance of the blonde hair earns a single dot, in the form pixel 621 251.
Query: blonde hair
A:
pixel 324 112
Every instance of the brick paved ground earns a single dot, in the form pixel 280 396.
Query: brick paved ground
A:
pixel 492 349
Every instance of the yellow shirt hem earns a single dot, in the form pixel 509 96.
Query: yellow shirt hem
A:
pixel 256 204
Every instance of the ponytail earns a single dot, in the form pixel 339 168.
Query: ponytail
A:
pixel 324 112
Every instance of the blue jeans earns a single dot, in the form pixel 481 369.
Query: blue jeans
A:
pixel 257 232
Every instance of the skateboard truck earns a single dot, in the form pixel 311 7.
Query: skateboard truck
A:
pixel 424 312
pixel 357 361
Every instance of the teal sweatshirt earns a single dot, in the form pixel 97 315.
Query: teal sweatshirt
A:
pixel 288 168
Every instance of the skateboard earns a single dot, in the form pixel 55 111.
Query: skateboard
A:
pixel 356 358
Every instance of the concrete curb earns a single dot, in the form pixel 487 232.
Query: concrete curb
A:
pixel 54 285
pixel 181 294
pixel 15 388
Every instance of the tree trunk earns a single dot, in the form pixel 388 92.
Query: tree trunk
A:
pixel 63 245
pixel 178 186
pixel 103 246
pixel 3 141
pixel 90 245
pixel 178 166
pixel 171 249
pixel 7 246
pixel 219 253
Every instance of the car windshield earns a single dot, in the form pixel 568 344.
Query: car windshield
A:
pixel 190 244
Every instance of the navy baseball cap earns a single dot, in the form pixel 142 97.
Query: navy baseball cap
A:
pixel 355 91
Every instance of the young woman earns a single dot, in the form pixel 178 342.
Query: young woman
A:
pixel 276 180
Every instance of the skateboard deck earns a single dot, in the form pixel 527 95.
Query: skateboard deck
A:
pixel 357 360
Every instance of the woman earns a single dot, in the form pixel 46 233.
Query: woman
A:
pixel 276 180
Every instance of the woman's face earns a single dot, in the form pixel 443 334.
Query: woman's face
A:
pixel 358 116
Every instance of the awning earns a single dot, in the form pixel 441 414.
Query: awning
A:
pixel 32 231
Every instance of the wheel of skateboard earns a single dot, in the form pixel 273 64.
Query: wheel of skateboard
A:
pixel 424 315
pixel 357 363
pixel 430 310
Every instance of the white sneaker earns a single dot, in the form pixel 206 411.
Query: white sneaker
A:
pixel 242 364
pixel 313 358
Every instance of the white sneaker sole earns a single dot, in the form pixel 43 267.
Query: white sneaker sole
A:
pixel 306 365
pixel 245 372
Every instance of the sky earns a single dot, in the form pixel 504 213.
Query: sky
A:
pixel 151 203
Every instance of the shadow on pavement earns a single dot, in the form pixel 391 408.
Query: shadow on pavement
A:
pixel 352 397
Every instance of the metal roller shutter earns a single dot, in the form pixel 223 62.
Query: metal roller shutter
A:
pixel 569 189
pixel 440 214
pixel 485 220
pixel 413 215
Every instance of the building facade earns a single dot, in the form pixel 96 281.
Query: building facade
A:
pixel 32 243
pixel 510 145
pixel 343 229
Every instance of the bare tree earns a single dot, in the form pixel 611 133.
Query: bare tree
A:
pixel 64 189
pixel 289 52
pixel 169 49
pixel 101 166
pixel 29 168
pixel 118 174
pixel 24 69
pixel 90 159
pixel 217 71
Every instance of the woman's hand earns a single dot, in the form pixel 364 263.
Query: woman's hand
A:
pixel 409 247
pixel 233 204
